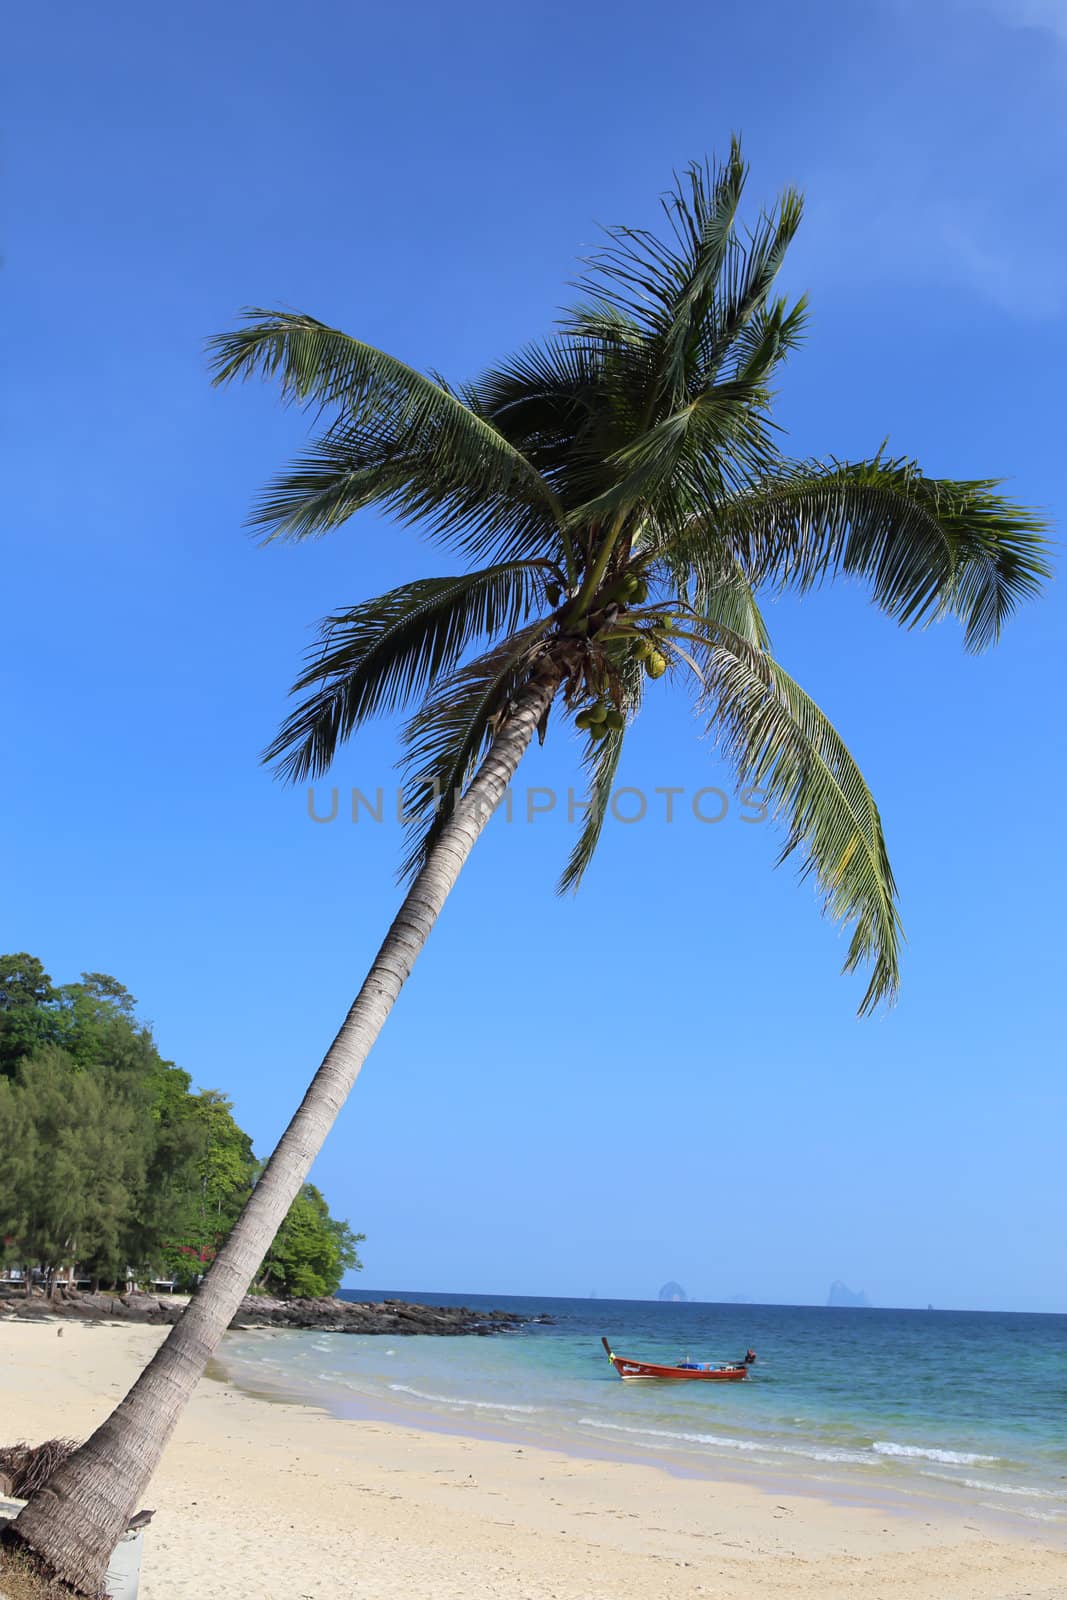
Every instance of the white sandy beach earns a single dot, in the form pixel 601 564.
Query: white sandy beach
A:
pixel 260 1501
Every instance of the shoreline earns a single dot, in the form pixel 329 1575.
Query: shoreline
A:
pixel 386 1318
pixel 287 1499
pixel 825 1483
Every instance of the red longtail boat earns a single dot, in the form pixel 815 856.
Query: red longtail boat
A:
pixel 702 1371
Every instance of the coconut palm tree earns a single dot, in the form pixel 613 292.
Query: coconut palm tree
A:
pixel 616 502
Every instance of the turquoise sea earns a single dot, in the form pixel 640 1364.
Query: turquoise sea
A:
pixel 912 1407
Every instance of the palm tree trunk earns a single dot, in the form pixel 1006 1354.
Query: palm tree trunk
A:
pixel 73 1523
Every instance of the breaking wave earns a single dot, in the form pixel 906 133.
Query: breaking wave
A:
pixel 459 1403
pixel 949 1458
pixel 987 1487
pixel 670 1433
pixel 722 1442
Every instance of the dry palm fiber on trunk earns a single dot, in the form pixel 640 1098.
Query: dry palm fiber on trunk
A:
pixel 25 1468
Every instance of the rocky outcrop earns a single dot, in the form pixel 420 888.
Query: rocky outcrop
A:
pixel 73 1305
pixel 395 1317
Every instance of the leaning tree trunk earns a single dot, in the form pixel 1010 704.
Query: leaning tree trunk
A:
pixel 72 1525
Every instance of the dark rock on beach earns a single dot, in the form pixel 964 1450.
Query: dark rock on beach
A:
pixel 99 1307
pixel 394 1317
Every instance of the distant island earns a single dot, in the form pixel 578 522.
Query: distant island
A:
pixel 673 1291
pixel 841 1295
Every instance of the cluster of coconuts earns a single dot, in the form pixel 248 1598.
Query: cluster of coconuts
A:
pixel 600 719
pixel 655 661
pixel 633 590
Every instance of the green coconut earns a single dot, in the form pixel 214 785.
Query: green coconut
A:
pixel 615 720
pixel 656 664
pixel 641 649
pixel 598 712
pixel 583 720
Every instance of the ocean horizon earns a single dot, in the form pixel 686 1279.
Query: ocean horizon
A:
pixel 480 1298
pixel 915 1406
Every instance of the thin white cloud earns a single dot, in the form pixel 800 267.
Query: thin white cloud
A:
pixel 1040 16
pixel 948 180
pixel 1048 16
pixel 861 228
pixel 1025 284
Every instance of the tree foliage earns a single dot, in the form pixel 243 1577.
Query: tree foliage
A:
pixel 109 1161
pixel 311 1251
pixel 622 497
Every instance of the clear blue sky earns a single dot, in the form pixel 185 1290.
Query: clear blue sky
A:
pixel 664 1078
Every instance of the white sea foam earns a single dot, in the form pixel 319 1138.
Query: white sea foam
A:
pixel 950 1458
pixel 453 1400
pixel 722 1442
pixel 670 1433
pixel 998 1488
pixel 856 1458
pixel 1029 1511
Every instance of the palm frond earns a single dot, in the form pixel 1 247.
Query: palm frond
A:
pixel 327 484
pixel 926 546
pixel 566 404
pixel 766 339
pixel 636 443
pixel 364 387
pixel 452 730
pixel 692 294
pixel 713 445
pixel 779 741
pixel 711 586
pixel 544 391
pixel 378 656
pixel 649 280
pixel 726 600
pixel 602 761
pixel 408 476
pixel 602 324
pixel 704 221
pixel 749 277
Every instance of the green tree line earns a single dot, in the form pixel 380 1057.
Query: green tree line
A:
pixel 111 1162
